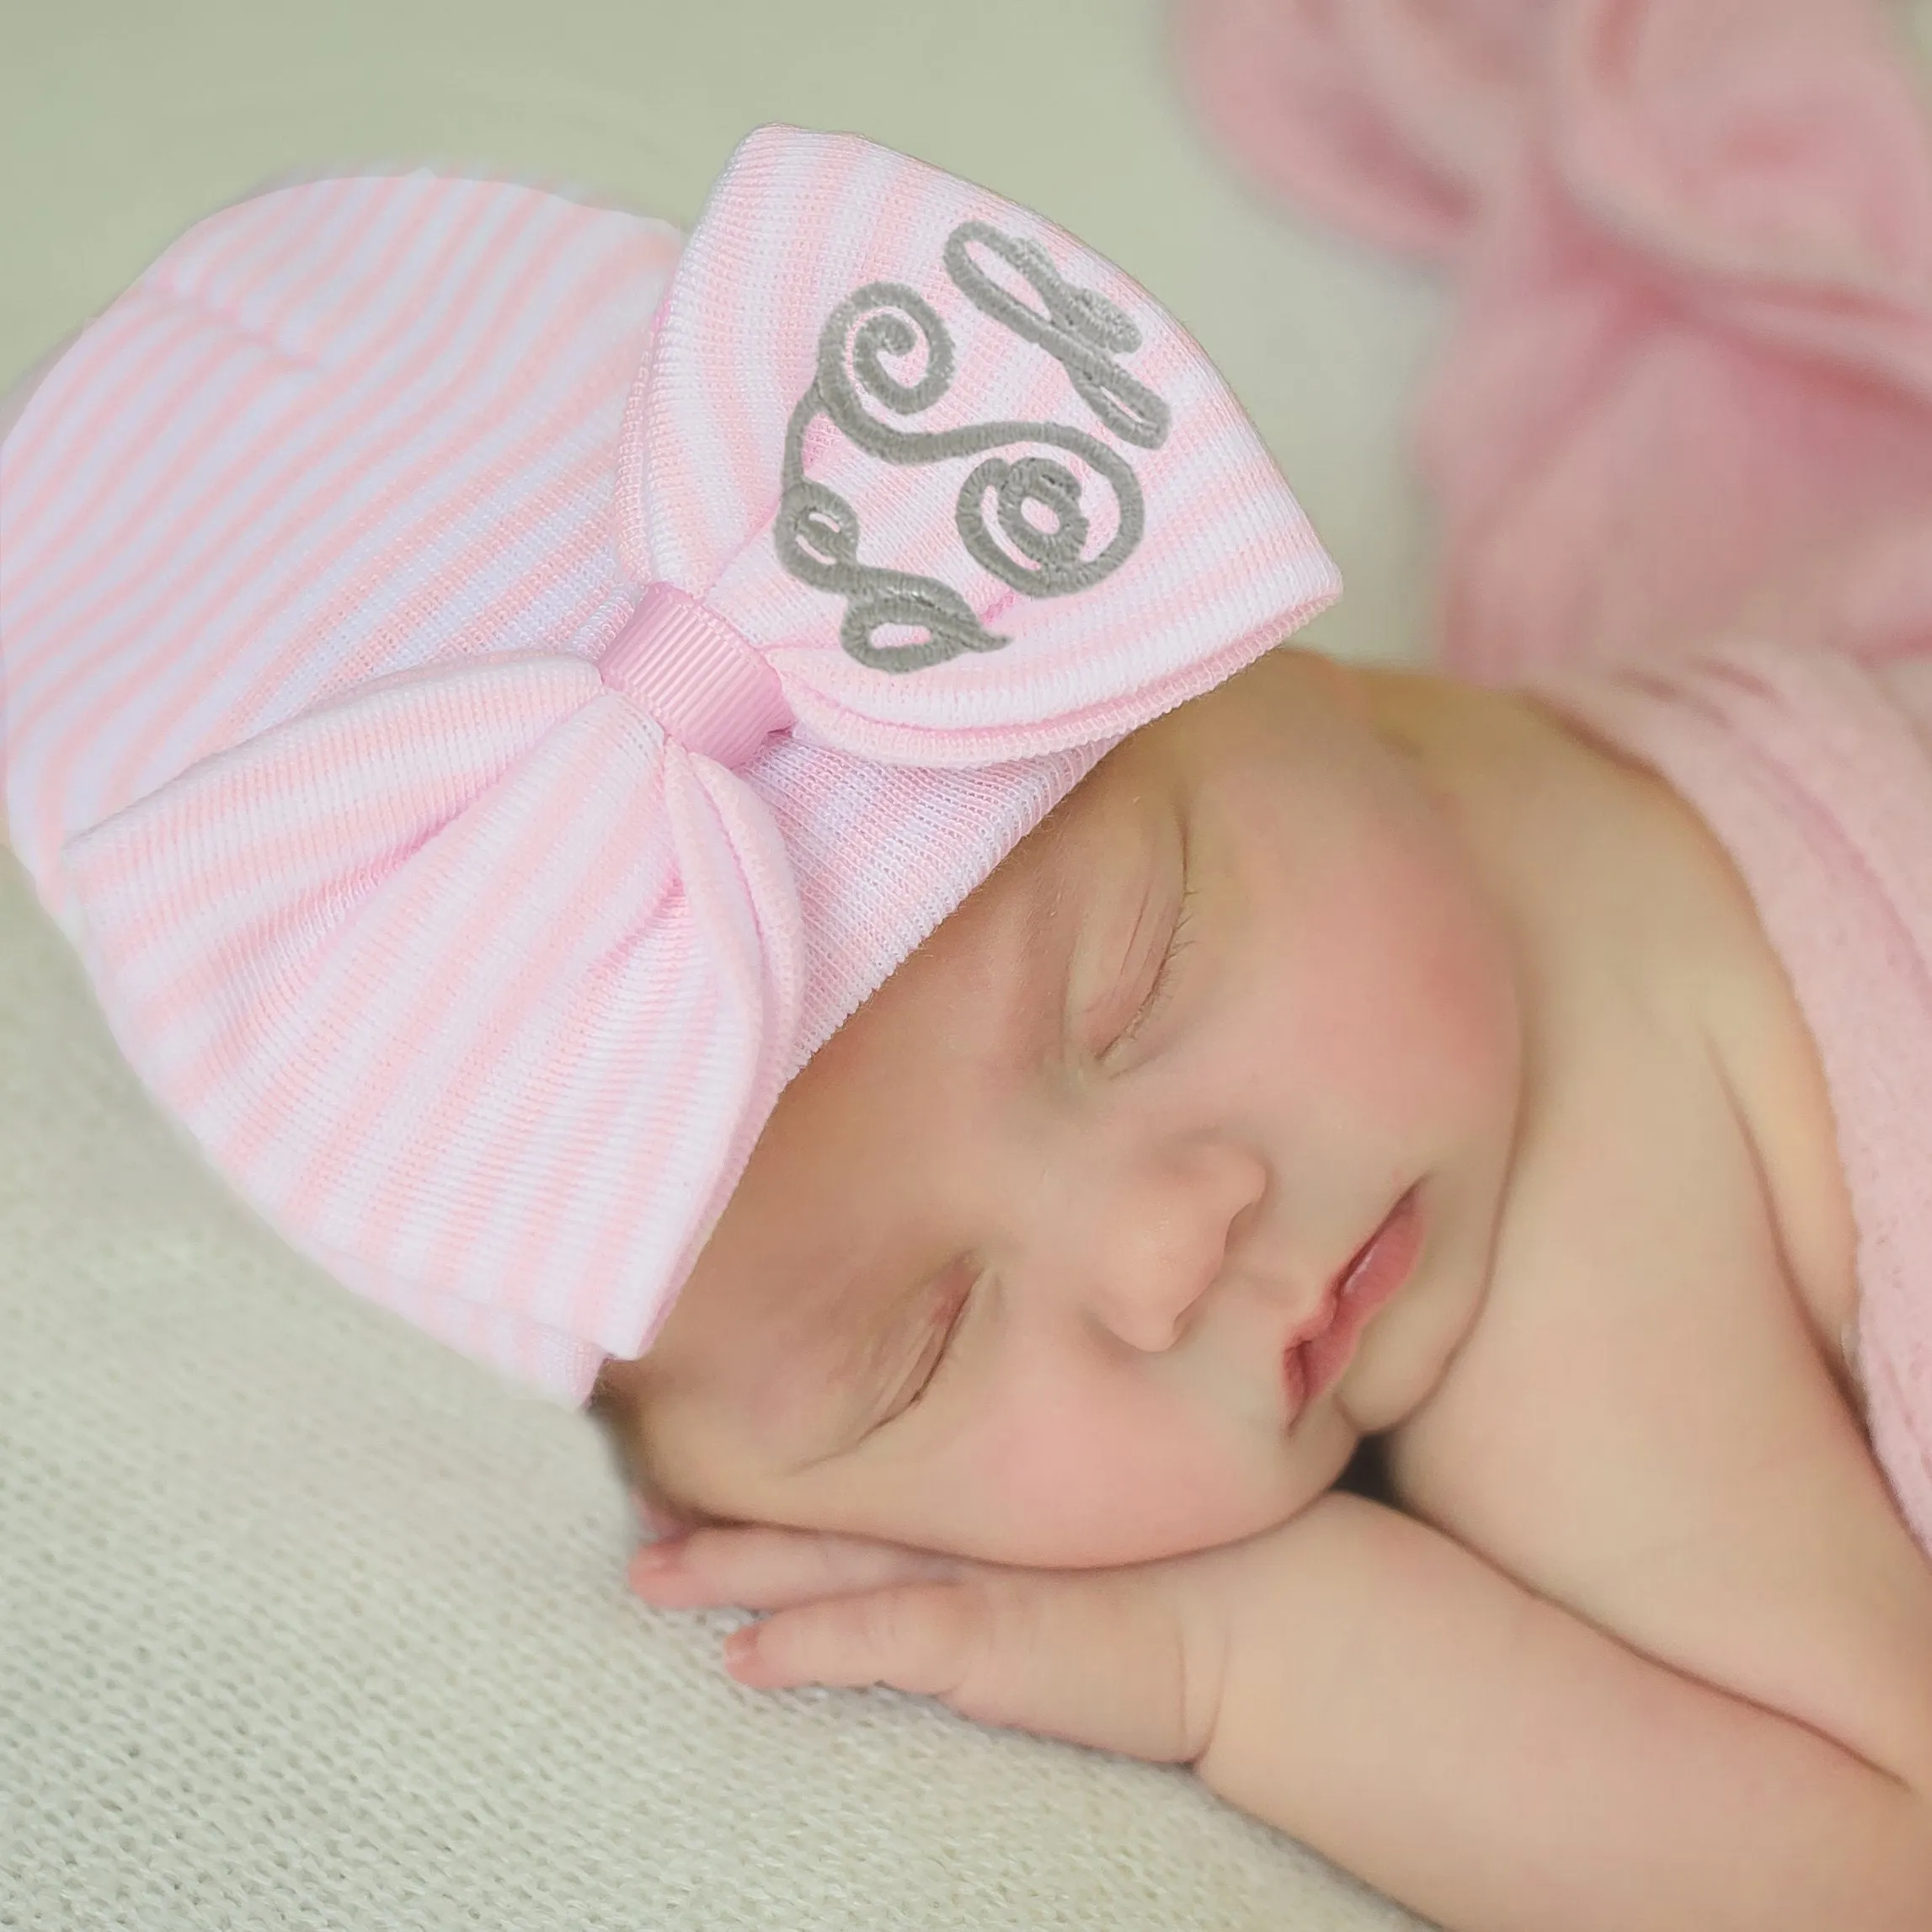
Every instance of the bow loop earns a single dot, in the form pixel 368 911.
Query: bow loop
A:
pixel 435 1014
pixel 972 492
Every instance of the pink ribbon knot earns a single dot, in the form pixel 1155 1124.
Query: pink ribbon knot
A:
pixel 709 688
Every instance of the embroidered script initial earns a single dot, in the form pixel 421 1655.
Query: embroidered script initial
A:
pixel 817 531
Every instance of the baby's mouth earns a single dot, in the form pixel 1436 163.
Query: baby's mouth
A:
pixel 1318 1353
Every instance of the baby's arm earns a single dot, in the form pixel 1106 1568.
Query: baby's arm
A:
pixel 1372 1687
pixel 1496 1762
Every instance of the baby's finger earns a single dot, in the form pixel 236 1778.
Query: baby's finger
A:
pixel 1064 1656
pixel 766 1569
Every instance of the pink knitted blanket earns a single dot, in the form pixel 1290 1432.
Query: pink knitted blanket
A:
pixel 1681 441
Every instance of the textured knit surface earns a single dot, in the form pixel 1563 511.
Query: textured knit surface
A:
pixel 306 1622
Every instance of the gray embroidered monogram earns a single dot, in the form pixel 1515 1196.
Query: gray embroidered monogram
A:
pixel 1080 327
pixel 817 531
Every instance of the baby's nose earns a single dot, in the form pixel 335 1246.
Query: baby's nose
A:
pixel 1161 1236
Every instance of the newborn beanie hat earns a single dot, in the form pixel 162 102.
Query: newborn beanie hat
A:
pixel 492 684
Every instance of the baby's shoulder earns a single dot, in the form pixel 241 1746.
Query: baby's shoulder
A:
pixel 1650 1424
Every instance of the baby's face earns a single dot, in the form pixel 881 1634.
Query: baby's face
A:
pixel 1013 1269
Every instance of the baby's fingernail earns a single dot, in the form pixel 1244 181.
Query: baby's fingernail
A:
pixel 741 1644
pixel 654 1559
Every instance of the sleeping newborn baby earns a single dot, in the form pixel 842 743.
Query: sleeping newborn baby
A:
pixel 1352 1056
pixel 728 827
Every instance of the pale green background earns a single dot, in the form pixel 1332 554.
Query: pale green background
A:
pixel 122 123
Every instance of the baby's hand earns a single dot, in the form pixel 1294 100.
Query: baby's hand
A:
pixel 1127 1659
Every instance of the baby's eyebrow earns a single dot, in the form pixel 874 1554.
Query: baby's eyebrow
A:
pixel 1044 925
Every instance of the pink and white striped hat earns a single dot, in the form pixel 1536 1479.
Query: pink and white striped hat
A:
pixel 492 685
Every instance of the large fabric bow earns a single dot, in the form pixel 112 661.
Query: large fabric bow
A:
pixel 478 976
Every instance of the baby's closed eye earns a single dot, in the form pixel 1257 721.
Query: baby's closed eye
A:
pixel 943 1312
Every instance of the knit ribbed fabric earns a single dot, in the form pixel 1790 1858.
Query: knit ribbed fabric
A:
pixel 360 570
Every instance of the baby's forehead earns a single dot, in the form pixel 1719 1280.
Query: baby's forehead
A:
pixel 1049 870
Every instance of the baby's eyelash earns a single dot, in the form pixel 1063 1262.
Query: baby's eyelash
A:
pixel 939 1356
pixel 1163 984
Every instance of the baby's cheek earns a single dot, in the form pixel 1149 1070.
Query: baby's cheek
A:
pixel 1107 1479
pixel 1411 1006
